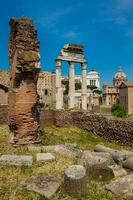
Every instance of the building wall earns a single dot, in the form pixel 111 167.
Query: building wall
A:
pixel 46 87
pixel 124 98
pixel 130 100
pixel 110 95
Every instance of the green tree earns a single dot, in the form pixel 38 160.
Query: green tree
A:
pixel 77 85
pixel 118 110
pixel 92 87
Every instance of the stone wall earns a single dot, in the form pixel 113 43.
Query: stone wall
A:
pixel 119 131
pixel 116 130
pixel 47 117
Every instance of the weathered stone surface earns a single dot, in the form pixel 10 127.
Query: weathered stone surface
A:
pixel 118 156
pixel 24 59
pixel 128 163
pixel 46 186
pixel 45 157
pixel 70 150
pixel 97 165
pixel 118 171
pixel 31 56
pixel 122 186
pixel 16 160
pixel 75 180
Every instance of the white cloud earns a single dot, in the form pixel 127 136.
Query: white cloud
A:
pixel 70 35
pixel 54 18
pixel 123 5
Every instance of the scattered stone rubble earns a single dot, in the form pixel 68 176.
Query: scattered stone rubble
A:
pixel 122 186
pixel 69 150
pixel 24 59
pixel 102 165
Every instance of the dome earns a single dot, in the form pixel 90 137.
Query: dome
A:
pixel 120 74
pixel 93 72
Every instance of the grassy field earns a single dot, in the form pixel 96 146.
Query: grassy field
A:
pixel 12 177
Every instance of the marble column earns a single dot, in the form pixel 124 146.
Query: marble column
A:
pixel 59 90
pixel 71 102
pixel 84 86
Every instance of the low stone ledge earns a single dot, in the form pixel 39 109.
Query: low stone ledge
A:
pixel 70 150
pixel 16 160
pixel 43 157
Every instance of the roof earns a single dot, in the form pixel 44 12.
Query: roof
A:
pixel 93 72
pixel 126 84
pixel 120 74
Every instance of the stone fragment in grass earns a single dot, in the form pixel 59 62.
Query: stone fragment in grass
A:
pixel 46 186
pixel 75 181
pixel 42 157
pixel 70 150
pixel 119 171
pixel 122 186
pixel 97 165
pixel 128 163
pixel 16 160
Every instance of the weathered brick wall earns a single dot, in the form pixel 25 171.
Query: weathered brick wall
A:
pixel 47 117
pixel 3 114
pixel 24 59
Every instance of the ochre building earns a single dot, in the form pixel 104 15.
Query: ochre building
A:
pixel 126 96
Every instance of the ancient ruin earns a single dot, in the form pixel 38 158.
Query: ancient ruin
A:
pixel 24 59
pixel 71 53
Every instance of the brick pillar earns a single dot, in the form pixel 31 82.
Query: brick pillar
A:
pixel 24 59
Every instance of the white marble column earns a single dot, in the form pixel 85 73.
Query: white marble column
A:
pixel 59 90
pixel 84 86
pixel 71 102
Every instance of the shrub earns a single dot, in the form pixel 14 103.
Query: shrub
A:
pixel 118 111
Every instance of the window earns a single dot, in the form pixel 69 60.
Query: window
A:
pixel 46 92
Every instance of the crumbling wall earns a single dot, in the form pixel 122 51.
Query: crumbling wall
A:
pixel 3 114
pixel 112 129
pixel 24 59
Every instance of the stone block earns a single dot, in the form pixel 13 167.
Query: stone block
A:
pixel 42 157
pixel 122 186
pixel 16 160
pixel 46 186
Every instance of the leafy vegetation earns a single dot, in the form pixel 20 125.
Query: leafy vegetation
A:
pixel 118 111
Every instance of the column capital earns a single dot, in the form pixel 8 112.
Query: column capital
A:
pixel 58 63
pixel 84 65
pixel 71 62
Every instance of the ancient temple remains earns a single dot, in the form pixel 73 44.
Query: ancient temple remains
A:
pixel 24 59
pixel 71 53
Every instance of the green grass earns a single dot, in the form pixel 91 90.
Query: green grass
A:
pixel 12 177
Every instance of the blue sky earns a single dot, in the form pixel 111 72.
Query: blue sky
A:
pixel 104 27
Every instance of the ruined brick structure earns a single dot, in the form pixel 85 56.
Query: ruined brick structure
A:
pixel 24 59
